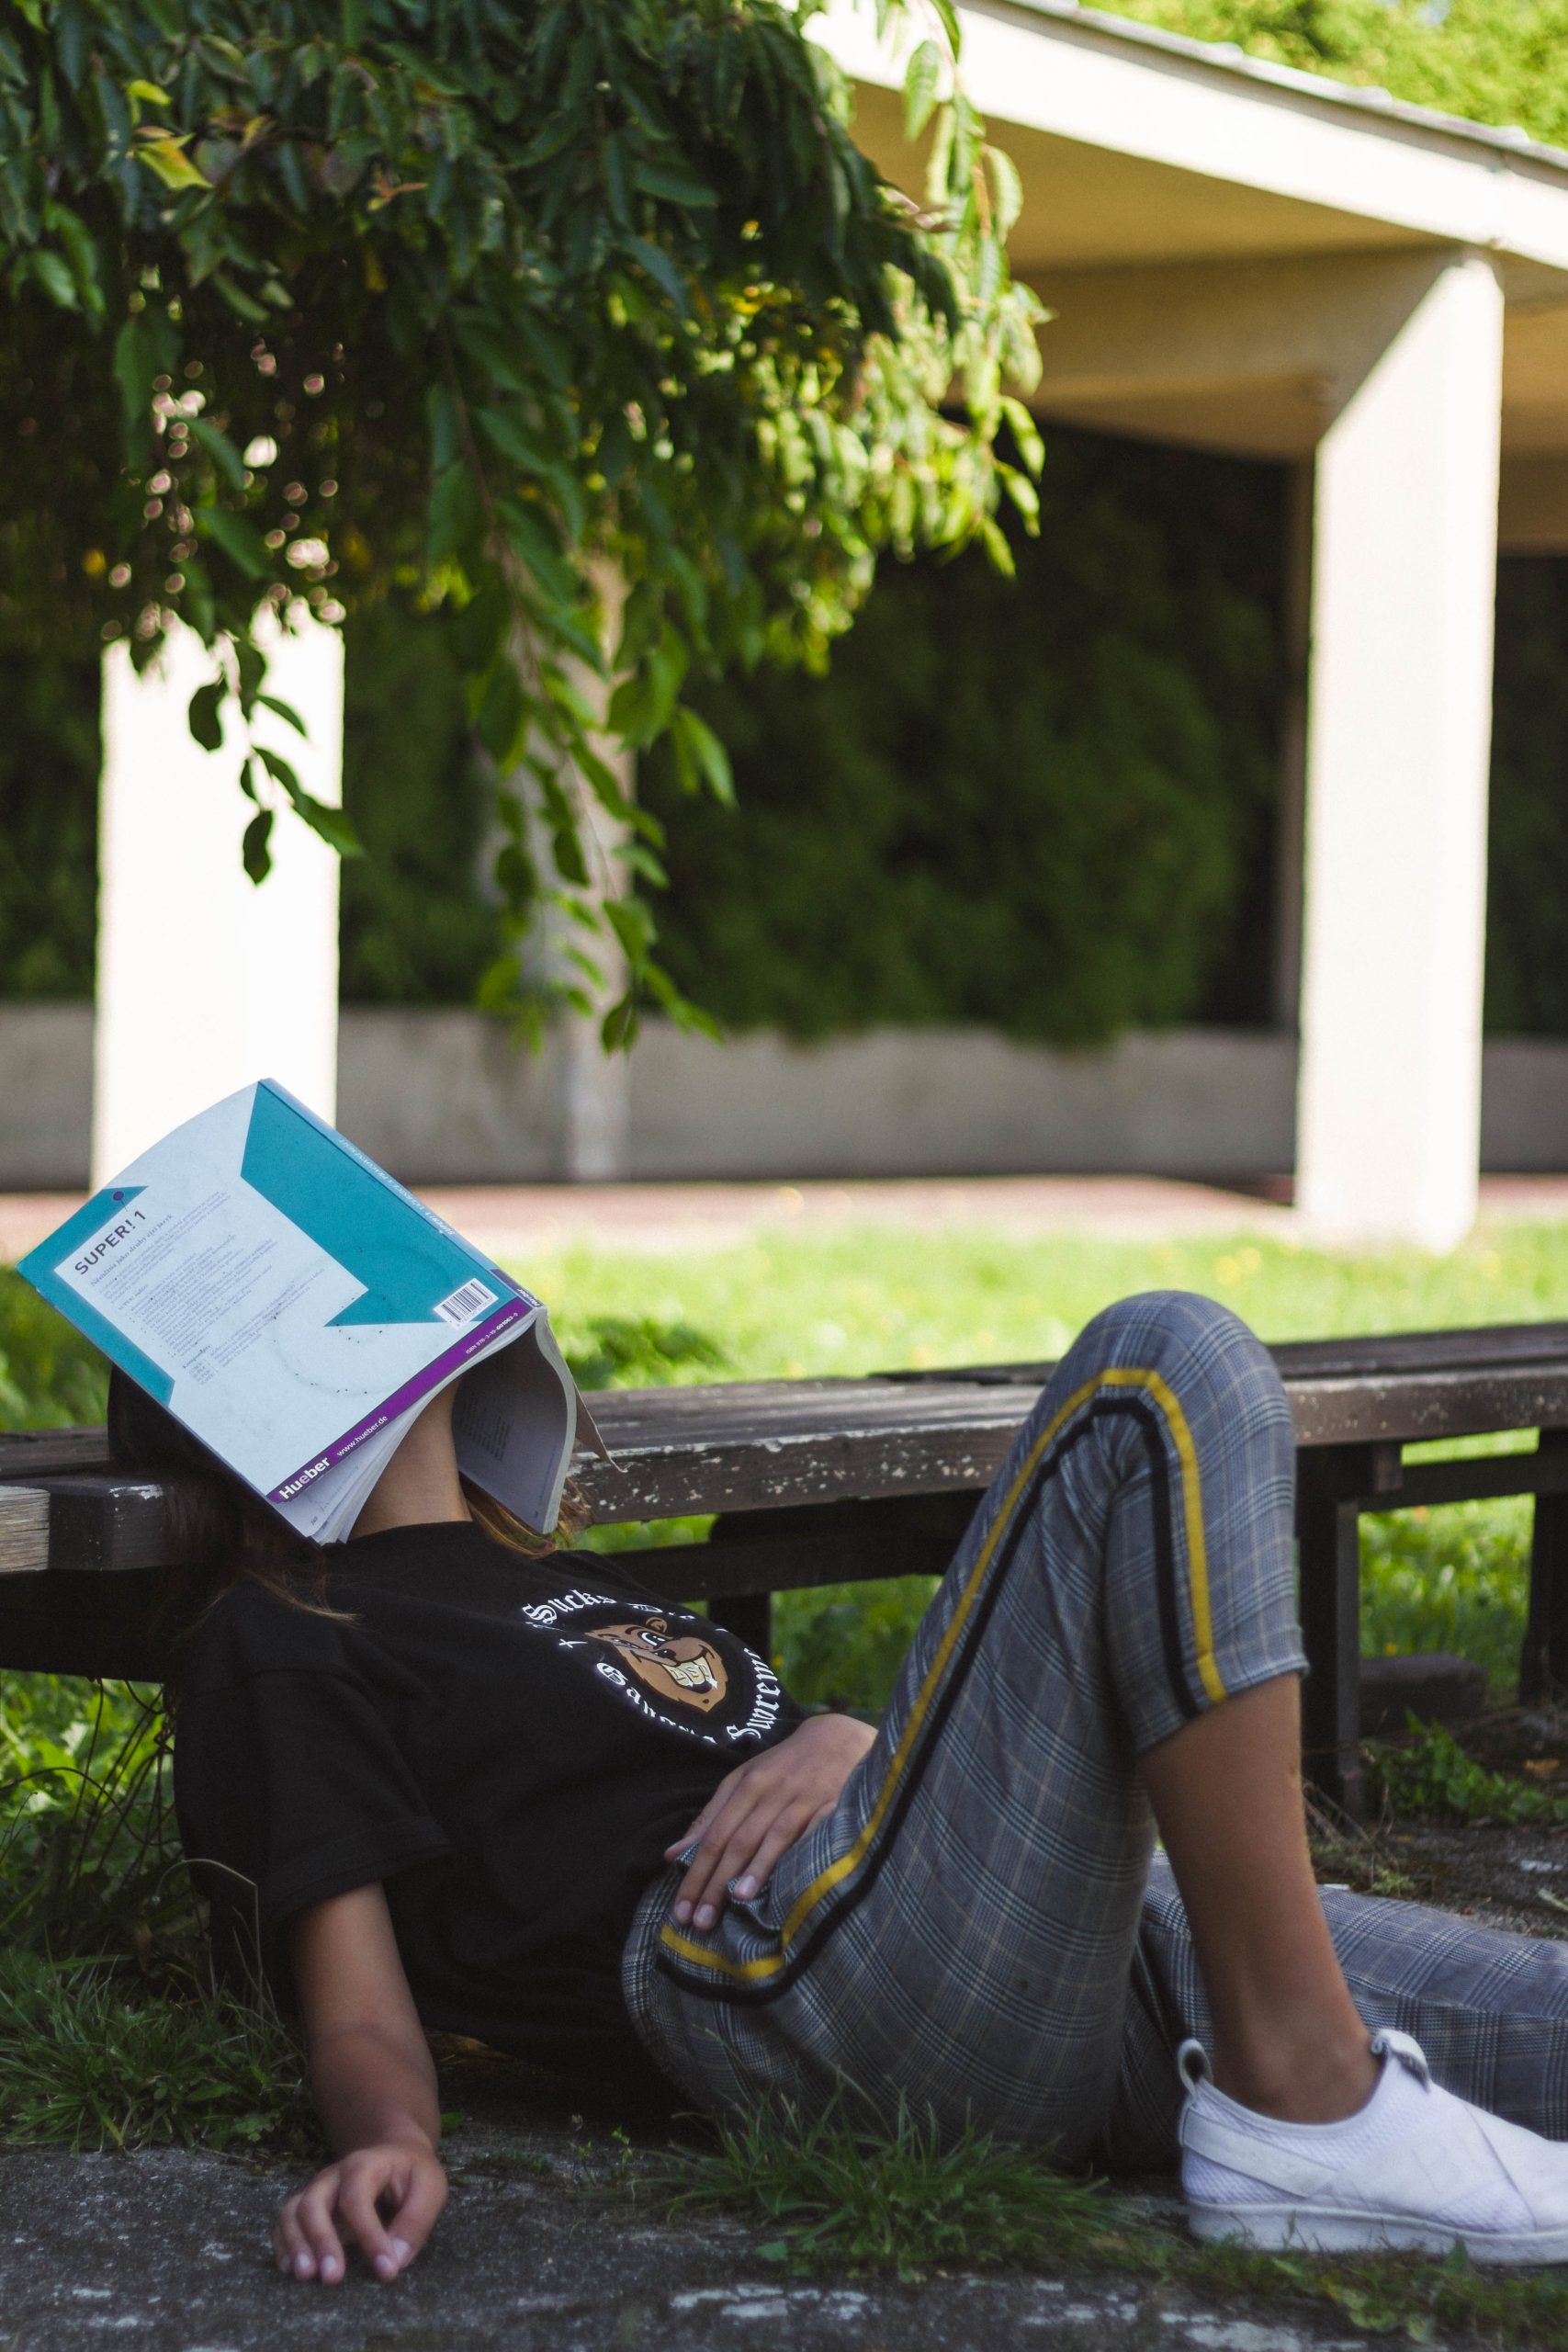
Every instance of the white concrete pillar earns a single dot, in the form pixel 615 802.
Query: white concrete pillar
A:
pixel 1399 729
pixel 205 979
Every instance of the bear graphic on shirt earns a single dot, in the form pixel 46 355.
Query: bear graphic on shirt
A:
pixel 680 1666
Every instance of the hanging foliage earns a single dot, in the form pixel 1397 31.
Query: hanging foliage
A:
pixel 476 300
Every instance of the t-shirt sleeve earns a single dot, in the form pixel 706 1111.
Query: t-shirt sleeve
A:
pixel 290 1783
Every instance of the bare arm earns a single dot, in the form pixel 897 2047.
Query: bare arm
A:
pixel 375 2087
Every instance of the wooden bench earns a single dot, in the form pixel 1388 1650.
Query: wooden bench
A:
pixel 836 1481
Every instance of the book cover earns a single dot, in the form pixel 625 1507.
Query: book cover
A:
pixel 293 1306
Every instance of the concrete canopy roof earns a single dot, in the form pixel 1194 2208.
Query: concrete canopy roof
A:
pixel 1141 152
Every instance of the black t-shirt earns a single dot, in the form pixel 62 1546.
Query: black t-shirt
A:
pixel 508 1744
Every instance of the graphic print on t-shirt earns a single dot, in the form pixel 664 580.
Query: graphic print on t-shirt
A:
pixel 668 1664
pixel 682 1665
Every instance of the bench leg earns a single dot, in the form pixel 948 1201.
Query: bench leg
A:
pixel 1543 1660
pixel 1329 1530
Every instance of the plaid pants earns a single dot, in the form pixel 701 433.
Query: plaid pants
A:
pixel 975 1927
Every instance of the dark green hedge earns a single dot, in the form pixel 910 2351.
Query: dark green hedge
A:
pixel 1044 804
pixel 416 928
pixel 1526 897
pixel 49 798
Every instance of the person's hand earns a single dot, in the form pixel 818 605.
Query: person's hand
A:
pixel 760 1808
pixel 405 2181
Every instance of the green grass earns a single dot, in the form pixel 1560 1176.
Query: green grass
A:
pixel 92 2059
pixel 862 1299
pixel 49 1377
pixel 898 2200
pixel 113 2034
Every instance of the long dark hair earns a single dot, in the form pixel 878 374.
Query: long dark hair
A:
pixel 219 1532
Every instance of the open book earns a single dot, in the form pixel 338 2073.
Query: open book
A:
pixel 295 1307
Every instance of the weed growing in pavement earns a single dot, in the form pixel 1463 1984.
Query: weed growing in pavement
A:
pixel 839 2197
pixel 1429 1772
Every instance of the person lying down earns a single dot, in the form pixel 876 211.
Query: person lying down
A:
pixel 448 1778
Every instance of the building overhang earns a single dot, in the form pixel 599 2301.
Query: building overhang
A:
pixel 1141 152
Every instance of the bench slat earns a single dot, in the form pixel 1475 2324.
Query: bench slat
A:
pixel 24 1529
pixel 778 1445
pixel 41 1453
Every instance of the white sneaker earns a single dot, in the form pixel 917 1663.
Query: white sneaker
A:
pixel 1415 2168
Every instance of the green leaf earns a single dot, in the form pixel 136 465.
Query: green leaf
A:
pixel 135 363
pixel 220 450
pixel 501 713
pixel 662 269
pixel 454 515
pixel 1006 191
pixel 278 767
pixel 921 85
pixel 948 16
pixel 165 155
pixel 256 848
pixel 499 354
pixel 148 90
pixel 244 305
pixel 445 428
pixel 708 753
pixel 198 603
pixel 251 665
pixel 506 431
pixel 286 711
pixel 239 540
pixel 675 186
pixel 618 1029
pixel 527 534
pixel 566 849
pixel 994 539
pixel 633 926
pixel 54 278
pixel 1025 433
pixel 331 824
pixel 639 859
pixel 516 874
pixel 478 631
pixel 206 714
pixel 81 251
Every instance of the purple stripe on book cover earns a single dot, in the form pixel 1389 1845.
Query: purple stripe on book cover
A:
pixel 512 1310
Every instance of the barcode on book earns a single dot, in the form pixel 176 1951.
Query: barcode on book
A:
pixel 466 1302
